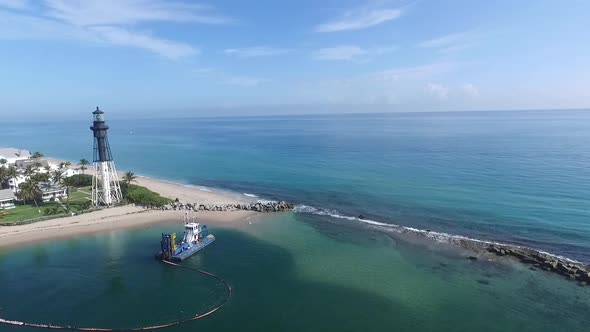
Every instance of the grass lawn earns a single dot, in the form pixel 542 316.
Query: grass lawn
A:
pixel 30 211
pixel 23 212
pixel 81 194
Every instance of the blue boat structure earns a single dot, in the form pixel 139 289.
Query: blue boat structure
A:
pixel 196 237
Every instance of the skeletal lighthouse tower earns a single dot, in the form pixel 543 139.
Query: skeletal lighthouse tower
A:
pixel 105 182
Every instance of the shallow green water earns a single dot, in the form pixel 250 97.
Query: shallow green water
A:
pixel 288 273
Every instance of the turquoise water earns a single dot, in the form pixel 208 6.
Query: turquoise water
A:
pixel 517 177
pixel 287 275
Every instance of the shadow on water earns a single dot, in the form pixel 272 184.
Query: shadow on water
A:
pixel 270 295
pixel 267 296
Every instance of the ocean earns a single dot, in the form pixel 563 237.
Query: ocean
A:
pixel 513 177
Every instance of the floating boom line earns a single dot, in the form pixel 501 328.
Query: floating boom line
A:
pixel 142 328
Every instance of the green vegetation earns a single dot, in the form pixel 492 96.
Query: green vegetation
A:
pixel 79 180
pixel 83 163
pixel 29 191
pixel 29 213
pixel 37 155
pixel 80 194
pixel 6 173
pixel 79 189
pixel 129 177
pixel 57 176
pixel 142 196
pixel 21 213
pixel 79 201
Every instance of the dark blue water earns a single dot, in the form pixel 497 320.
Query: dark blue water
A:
pixel 517 177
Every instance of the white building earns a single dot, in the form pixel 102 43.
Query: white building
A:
pixel 16 181
pixel 12 155
pixel 51 191
pixel 6 199
pixel 69 171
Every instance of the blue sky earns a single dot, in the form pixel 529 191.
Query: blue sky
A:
pixel 63 57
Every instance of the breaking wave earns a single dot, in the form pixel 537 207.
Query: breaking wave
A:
pixel 459 240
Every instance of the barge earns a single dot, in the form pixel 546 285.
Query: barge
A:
pixel 196 237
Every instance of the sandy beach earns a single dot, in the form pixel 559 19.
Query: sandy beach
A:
pixel 124 217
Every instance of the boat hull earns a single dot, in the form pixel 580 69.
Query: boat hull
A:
pixel 188 252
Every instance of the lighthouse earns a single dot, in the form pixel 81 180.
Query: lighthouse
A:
pixel 105 182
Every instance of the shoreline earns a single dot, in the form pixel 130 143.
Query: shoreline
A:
pixel 126 217
pixel 117 219
pixel 129 216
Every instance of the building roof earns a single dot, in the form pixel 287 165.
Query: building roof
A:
pixel 14 153
pixel 48 187
pixel 6 194
pixel 26 162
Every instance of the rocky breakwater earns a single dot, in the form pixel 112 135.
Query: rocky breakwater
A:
pixel 265 207
pixel 572 270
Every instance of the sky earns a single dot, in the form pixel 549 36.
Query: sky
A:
pixel 62 58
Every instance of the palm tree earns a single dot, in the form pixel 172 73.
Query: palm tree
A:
pixel 129 177
pixel 47 168
pixel 40 177
pixel 64 164
pixel 37 165
pixel 3 176
pixel 3 161
pixel 57 176
pixel 83 162
pixel 67 182
pixel 29 190
pixel 37 155
pixel 29 170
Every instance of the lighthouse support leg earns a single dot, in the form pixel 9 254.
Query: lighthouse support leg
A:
pixel 105 185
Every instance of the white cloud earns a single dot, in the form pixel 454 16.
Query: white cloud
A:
pixel 404 85
pixel 244 81
pixel 454 48
pixel 340 53
pixel 127 12
pixel 438 90
pixel 349 53
pixel 470 90
pixel 450 43
pixel 204 71
pixel 16 27
pixel 360 19
pixel 415 72
pixel 106 22
pixel 15 4
pixel 167 48
pixel 256 51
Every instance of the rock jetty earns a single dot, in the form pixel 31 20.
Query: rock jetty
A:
pixel 266 207
pixel 572 270
pixel 535 259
